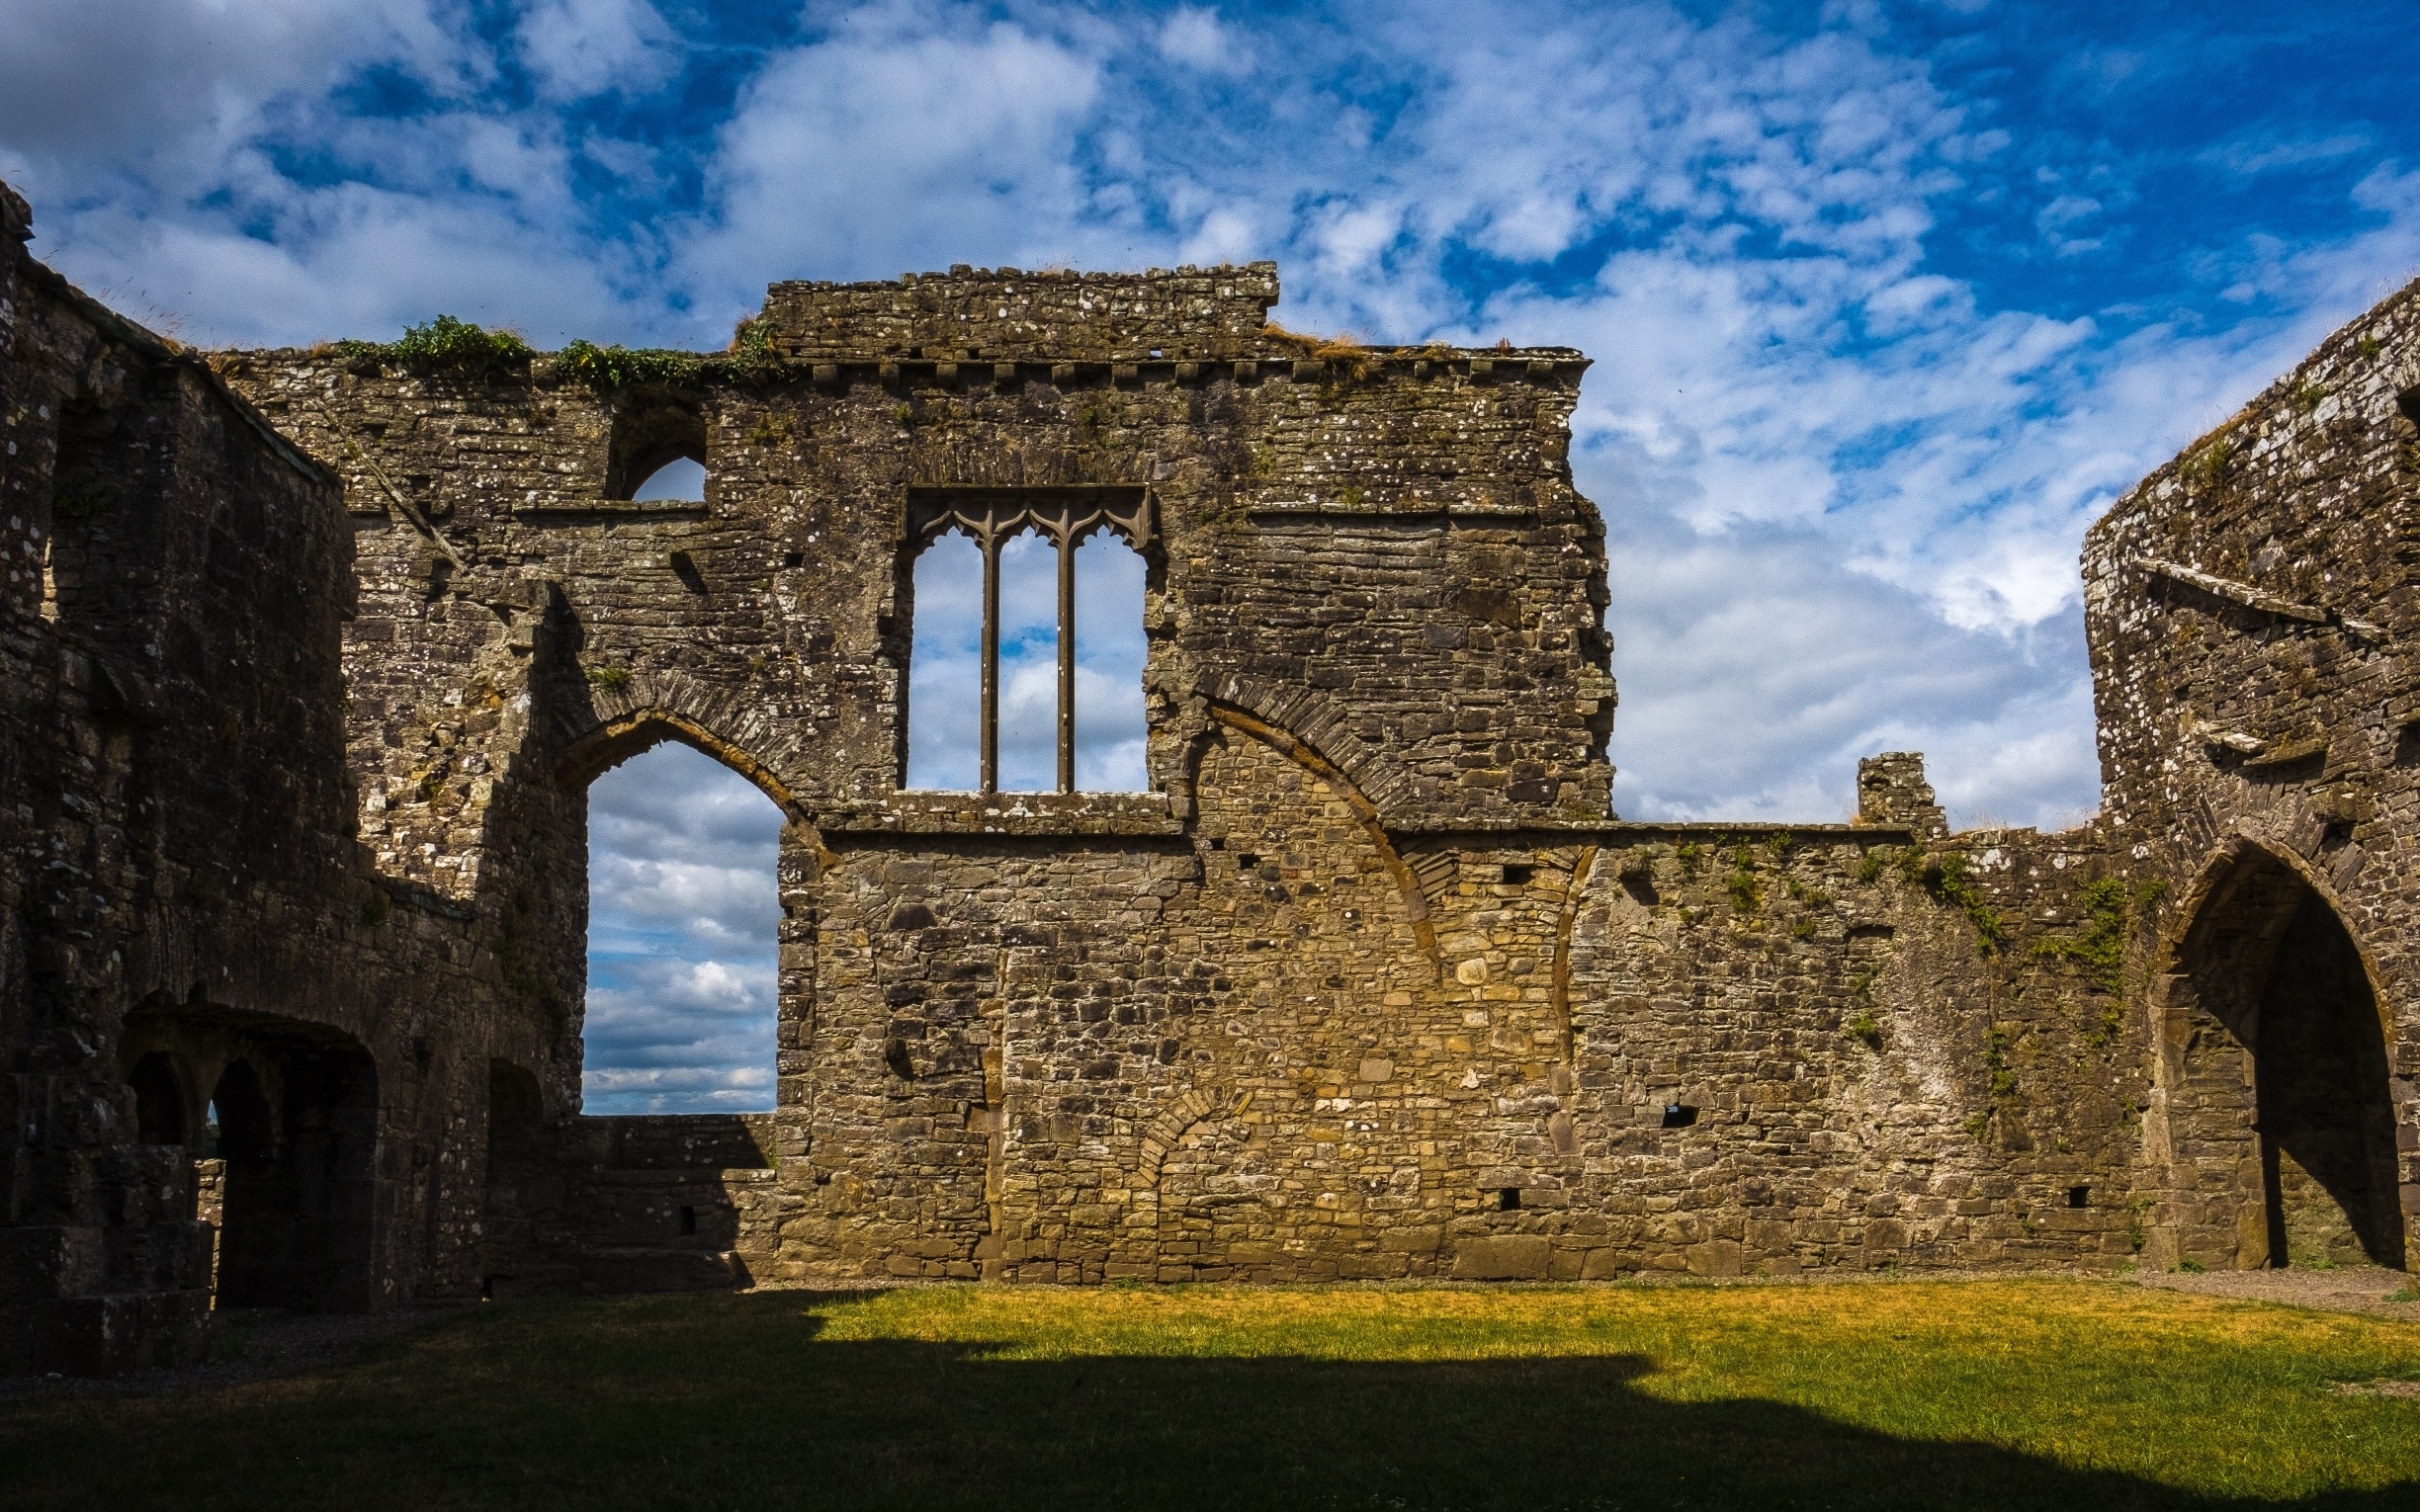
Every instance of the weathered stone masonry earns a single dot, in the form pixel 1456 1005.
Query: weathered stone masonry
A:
pixel 314 654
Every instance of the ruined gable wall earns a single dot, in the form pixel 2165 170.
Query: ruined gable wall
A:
pixel 783 650
pixel 1072 1038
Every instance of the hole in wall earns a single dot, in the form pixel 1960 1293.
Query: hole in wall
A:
pixel 945 668
pixel 1679 1116
pixel 684 917
pixel 1519 875
pixel 688 1219
pixel 1029 664
pixel 159 1100
pixel 678 481
pixel 657 452
pixel 2079 1197
pixel 1111 647
pixel 1507 1200
pixel 1638 880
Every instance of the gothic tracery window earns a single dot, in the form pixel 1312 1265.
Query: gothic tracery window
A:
pixel 982 617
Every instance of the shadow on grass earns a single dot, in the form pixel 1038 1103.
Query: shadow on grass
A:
pixel 737 1402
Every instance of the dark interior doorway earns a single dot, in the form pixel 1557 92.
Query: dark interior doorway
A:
pixel 297 1129
pixel 2325 1121
pixel 159 1100
pixel 524 1190
pixel 2275 965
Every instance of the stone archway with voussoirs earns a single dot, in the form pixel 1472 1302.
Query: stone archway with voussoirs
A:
pixel 2273 1126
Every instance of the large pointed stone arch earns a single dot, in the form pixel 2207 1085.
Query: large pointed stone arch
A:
pixel 1291 744
pixel 1320 726
pixel 708 724
pixel 2272 1128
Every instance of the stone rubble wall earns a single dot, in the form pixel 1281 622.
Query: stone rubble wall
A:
pixel 2252 608
pixel 181 871
pixel 1368 985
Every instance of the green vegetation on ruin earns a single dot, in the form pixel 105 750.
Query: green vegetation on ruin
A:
pixel 2008 1394
pixel 447 344
pixel 1945 878
pixel 451 346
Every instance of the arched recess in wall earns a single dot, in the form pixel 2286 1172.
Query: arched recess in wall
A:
pixel 658 448
pixel 524 1186
pixel 160 1115
pixel 2267 955
pixel 1026 639
pixel 1312 759
pixel 296 1121
pixel 683 927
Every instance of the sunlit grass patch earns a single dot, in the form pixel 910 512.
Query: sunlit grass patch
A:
pixel 2002 1394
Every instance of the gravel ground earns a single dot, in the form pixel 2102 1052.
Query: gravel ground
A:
pixel 2347 1289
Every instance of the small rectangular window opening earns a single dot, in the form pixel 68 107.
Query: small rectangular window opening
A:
pixel 1678 1115
pixel 2079 1197
pixel 1519 875
pixel 688 1219
pixel 1507 1200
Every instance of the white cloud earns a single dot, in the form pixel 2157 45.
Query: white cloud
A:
pixel 2250 156
pixel 1194 36
pixel 683 921
pixel 579 47
pixel 888 147
pixel 1780 357
pixel 139 83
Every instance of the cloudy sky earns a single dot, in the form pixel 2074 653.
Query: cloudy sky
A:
pixel 1887 301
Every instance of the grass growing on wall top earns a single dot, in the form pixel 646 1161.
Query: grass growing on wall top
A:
pixel 1995 1395
pixel 447 344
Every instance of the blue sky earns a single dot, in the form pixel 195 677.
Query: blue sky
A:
pixel 1887 301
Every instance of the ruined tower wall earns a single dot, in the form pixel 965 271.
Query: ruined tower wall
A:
pixel 1289 1016
pixel 2252 608
pixel 185 899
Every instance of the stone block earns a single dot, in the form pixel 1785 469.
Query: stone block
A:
pixel 1503 1257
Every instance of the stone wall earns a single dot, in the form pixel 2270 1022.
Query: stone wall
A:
pixel 2252 610
pixel 185 916
pixel 1369 984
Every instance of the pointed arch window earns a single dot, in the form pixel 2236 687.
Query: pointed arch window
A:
pixel 995 520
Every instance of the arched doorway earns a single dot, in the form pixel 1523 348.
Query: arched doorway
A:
pixel 295 1126
pixel 159 1100
pixel 684 935
pixel 2284 1097
pixel 524 1193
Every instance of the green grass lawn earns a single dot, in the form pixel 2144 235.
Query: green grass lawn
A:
pixel 2002 1394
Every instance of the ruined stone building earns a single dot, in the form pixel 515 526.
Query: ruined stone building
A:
pixel 308 656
